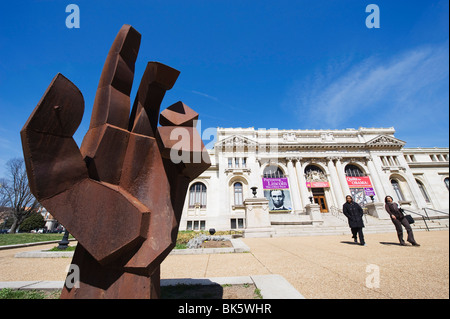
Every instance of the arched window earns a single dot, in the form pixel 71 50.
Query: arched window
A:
pixel 197 195
pixel 397 189
pixel 273 171
pixel 353 171
pixel 447 183
pixel 238 194
pixel 312 168
pixel 423 191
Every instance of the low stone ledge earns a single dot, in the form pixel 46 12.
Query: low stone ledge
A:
pixel 270 286
pixel 238 247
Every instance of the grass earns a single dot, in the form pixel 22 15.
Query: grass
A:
pixel 181 291
pixel 24 238
pixel 69 248
pixel 8 293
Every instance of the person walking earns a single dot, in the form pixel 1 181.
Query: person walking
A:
pixel 354 213
pixel 398 218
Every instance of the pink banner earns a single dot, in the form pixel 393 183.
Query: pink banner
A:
pixel 359 182
pixel 317 184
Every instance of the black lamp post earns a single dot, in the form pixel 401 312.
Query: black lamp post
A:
pixel 64 243
pixel 254 188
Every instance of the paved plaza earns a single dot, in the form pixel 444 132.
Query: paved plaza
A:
pixel 317 266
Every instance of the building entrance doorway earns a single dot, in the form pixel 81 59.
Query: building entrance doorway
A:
pixel 319 198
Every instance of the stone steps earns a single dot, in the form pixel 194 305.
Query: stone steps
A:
pixel 336 225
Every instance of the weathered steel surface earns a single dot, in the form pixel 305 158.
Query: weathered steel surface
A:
pixel 121 194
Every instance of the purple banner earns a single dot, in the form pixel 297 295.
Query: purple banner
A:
pixel 369 191
pixel 275 183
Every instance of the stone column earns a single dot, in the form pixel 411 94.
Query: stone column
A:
pixel 411 180
pixel 335 182
pixel 342 179
pixel 293 186
pixel 304 194
pixel 379 190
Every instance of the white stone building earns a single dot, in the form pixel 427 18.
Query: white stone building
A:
pixel 298 170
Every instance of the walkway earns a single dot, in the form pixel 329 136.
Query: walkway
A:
pixel 317 266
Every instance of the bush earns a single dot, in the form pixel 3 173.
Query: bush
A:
pixel 34 221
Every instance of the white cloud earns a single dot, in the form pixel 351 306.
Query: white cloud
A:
pixel 408 82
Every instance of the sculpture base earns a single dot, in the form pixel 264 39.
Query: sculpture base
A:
pixel 95 281
pixel 313 210
pixel 377 210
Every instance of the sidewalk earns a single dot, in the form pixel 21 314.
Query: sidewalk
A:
pixel 317 266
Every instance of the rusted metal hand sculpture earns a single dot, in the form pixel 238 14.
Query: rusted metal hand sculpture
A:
pixel 121 194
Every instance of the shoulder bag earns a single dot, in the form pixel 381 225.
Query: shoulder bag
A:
pixel 409 218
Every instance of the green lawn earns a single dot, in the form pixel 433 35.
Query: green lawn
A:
pixel 14 239
pixel 29 294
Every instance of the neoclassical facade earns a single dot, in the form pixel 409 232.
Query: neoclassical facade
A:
pixel 295 168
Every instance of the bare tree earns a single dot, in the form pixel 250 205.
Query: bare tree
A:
pixel 15 193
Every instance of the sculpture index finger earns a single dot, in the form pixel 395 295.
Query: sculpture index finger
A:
pixel 112 100
pixel 156 80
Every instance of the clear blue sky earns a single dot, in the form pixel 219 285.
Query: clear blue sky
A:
pixel 263 64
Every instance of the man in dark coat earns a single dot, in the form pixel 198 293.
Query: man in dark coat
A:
pixel 354 213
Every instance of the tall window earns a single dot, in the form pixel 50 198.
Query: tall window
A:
pixel 197 195
pixel 397 189
pixel 423 190
pixel 447 183
pixel 273 171
pixel 353 171
pixel 238 194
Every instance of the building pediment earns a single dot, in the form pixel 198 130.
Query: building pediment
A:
pixel 385 141
pixel 236 141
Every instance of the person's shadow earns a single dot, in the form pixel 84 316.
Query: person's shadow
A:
pixel 387 243
pixel 349 242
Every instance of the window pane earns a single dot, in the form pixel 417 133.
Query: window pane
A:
pixel 196 225
pixel 240 223
pixel 238 198
pixel 353 171
pixel 197 195
pixel 423 191
pixel 203 199
pixel 189 225
pixel 202 225
pixel 273 171
pixel 192 196
pixel 233 223
pixel 397 189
